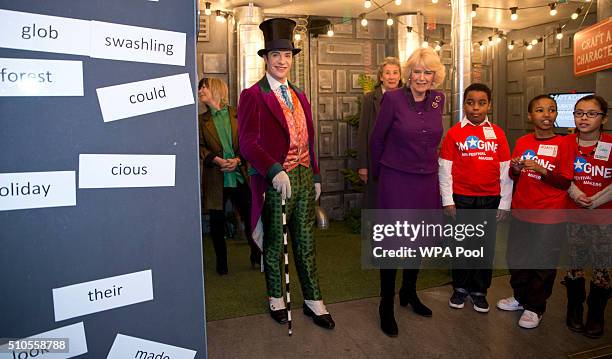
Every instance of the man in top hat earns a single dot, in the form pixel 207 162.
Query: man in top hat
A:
pixel 276 136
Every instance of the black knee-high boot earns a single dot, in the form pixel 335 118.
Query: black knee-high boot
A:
pixel 576 294
pixel 386 309
pixel 408 294
pixel 597 301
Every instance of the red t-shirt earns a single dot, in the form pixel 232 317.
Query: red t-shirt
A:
pixel 591 175
pixel 530 192
pixel 476 152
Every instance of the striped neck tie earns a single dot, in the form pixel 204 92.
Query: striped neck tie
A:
pixel 286 98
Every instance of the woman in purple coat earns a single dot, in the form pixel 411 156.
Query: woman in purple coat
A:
pixel 404 155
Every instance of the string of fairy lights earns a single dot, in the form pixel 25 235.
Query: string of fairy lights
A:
pixel 495 38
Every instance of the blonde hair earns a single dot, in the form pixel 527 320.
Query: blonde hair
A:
pixel 426 57
pixel 218 90
pixel 381 68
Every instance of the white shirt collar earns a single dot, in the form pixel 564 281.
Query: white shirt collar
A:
pixel 274 83
pixel 465 121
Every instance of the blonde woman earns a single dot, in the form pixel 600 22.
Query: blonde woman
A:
pixel 404 153
pixel 224 172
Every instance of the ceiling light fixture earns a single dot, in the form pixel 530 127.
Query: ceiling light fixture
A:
pixel 513 14
pixel 553 9
pixel 207 10
pixel 474 7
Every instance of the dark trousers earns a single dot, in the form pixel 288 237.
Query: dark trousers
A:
pixel 387 282
pixel 474 276
pixel 538 246
pixel 241 199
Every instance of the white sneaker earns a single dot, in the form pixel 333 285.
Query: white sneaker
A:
pixel 529 320
pixel 510 304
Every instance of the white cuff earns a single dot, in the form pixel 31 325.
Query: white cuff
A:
pixel 316 306
pixel 276 303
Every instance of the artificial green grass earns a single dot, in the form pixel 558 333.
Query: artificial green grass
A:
pixel 243 291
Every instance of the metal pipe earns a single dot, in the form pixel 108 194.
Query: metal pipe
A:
pixel 410 31
pixel 461 40
pixel 249 39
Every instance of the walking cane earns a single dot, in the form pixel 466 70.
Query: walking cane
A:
pixel 286 253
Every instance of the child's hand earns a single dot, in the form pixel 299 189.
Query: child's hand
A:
pixel 516 164
pixel 583 201
pixel 450 211
pixel 534 166
pixel 502 215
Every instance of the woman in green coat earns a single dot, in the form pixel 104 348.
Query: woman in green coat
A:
pixel 224 171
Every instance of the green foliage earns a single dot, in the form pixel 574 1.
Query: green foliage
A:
pixel 353 177
pixel 353 120
pixel 366 82
pixel 353 220
pixel 352 153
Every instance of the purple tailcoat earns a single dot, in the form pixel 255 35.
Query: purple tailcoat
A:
pixel 404 150
pixel 264 138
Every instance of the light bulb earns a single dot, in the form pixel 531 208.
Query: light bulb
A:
pixel 514 15
pixel 438 47
pixel 219 17
pixel 482 46
pixel 534 42
pixel 529 47
pixel 297 37
pixel 398 2
pixel 553 9
pixel 207 10
pixel 425 44
pixel 364 22
pixel 474 7
pixel 367 4
pixel 434 1
pixel 511 45
pixel 390 21
pixel 330 32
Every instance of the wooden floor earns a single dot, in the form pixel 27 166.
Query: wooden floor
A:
pixel 450 333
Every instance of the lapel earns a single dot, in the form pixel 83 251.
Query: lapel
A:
pixel 209 126
pixel 378 94
pixel 272 103
pixel 303 100
pixel 234 124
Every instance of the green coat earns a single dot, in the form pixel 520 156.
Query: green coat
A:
pixel 210 146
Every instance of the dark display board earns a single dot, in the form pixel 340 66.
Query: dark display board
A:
pixel 100 238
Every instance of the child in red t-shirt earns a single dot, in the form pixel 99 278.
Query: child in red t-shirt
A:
pixel 473 173
pixel 541 167
pixel 590 232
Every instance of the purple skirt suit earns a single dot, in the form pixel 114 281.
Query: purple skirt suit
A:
pixel 404 150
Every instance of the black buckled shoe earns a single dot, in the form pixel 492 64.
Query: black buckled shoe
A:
pixel 280 316
pixel 324 321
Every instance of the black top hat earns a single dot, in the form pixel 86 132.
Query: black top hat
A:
pixel 278 35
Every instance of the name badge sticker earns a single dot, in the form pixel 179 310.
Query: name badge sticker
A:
pixel 603 151
pixel 489 133
pixel 548 150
